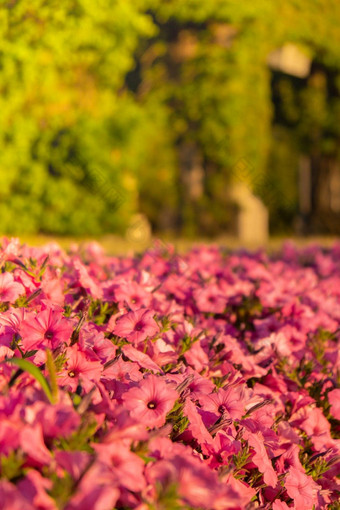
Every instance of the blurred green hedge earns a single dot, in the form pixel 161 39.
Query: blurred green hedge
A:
pixel 111 107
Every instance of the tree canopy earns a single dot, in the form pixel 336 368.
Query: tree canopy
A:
pixel 110 107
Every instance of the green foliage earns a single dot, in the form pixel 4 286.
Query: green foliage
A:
pixel 109 107
pixel 11 466
pixel 177 419
pixel 241 459
pixel 169 499
pixel 35 372
pixel 52 371
pixel 62 488
pixel 81 439
pixel 186 343
pixel 61 67
pixel 207 70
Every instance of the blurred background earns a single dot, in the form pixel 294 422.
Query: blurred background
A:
pixel 181 117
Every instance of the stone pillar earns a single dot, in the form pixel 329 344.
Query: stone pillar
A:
pixel 252 221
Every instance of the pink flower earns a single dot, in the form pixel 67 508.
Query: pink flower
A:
pixel 261 459
pixel 289 458
pixel 230 400
pixel 117 377
pixel 97 489
pixel 10 322
pixel 280 505
pixel 32 443
pixel 75 463
pixel 86 281
pixel 334 400
pixel 122 371
pixel 199 385
pixel 9 248
pixel 33 488
pixel 9 435
pixel 52 287
pixel 210 299
pixel 151 401
pixel 126 428
pixel 11 498
pixel 95 345
pixel 317 427
pixel 5 352
pixel 130 292
pixel 59 420
pixel 162 353
pixel 301 488
pixel 196 356
pixel 79 369
pixel 47 328
pixel 128 467
pixel 199 486
pixel 136 325
pixel 139 357
pixel 222 448
pixel 196 426
pixel 244 491
pixel 10 290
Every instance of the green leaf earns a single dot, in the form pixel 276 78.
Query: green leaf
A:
pixel 35 372
pixel 51 367
pixel 11 465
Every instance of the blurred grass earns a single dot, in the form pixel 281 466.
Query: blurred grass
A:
pixel 117 245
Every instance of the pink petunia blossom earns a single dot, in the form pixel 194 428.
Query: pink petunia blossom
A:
pixel 199 385
pixel 10 290
pixel 59 420
pixel 129 292
pixel 52 286
pixel 210 299
pixel 161 352
pixel 85 280
pixel 141 358
pixel 290 458
pixel 5 353
pixel 280 505
pixel 9 435
pixel 136 326
pixel 125 428
pixel 96 346
pixel 34 489
pixel 334 400
pixel 197 427
pixel 47 328
pixel 11 498
pixel 128 467
pixel 196 356
pixel 261 459
pixel 32 443
pixel 122 371
pixel 79 369
pixel 222 448
pixel 75 463
pixel 317 427
pixel 151 401
pixel 199 486
pixel 244 491
pixel 10 248
pixel 228 400
pixel 97 490
pixel 301 488
pixel 10 323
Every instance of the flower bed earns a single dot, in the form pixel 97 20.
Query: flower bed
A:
pixel 207 381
